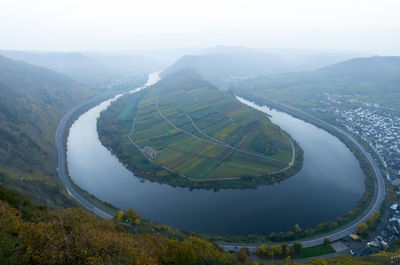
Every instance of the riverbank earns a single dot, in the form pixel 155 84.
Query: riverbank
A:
pixel 87 200
pixel 108 181
pixel 197 137
pixel 350 219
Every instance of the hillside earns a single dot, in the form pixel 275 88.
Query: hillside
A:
pixel 374 79
pixel 383 73
pixel 31 234
pixel 91 69
pixel 186 132
pixel 219 66
pixel 32 102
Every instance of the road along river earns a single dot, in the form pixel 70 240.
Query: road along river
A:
pixel 329 184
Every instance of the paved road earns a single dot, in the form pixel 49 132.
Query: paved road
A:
pixel 62 171
pixel 335 235
pixel 350 228
pixel 152 79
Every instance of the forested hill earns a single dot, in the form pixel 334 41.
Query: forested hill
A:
pixel 384 72
pixel 372 79
pixel 214 67
pixel 33 101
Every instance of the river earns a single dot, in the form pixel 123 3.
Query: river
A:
pixel 329 184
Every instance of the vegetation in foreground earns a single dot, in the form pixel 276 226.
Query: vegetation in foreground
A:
pixel 185 132
pixel 31 234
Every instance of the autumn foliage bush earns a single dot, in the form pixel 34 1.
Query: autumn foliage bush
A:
pixel 75 236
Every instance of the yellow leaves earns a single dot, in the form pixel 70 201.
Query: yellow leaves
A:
pixel 130 216
pixel 120 215
pixel 10 219
pixel 74 236
pixel 362 228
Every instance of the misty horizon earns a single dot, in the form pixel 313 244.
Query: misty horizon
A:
pixel 126 27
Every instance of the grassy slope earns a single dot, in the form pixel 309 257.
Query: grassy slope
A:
pixel 189 102
pixel 32 102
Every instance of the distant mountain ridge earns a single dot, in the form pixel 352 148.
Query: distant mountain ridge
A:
pixel 217 66
pixel 373 79
pixel 91 69
pixel 380 72
pixel 367 65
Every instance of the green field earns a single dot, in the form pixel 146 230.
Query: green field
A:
pixel 197 132
pixel 314 251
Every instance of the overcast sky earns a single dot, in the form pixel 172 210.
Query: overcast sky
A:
pixel 119 25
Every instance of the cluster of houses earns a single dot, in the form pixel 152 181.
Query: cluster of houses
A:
pixel 384 237
pixel 381 130
pixel 375 125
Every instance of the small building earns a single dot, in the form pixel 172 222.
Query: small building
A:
pixel 373 243
pixel 354 237
pixel 395 218
pixel 150 152
pixel 396 182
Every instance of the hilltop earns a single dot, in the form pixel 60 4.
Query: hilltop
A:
pixel 183 131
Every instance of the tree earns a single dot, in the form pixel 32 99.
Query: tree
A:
pixel 262 250
pixel 120 215
pixel 285 249
pixel 392 194
pixel 277 250
pixel 377 215
pixel 245 250
pixel 132 217
pixel 297 228
pixel 242 257
pixel 327 241
pixel 362 228
pixel 297 246
pixel 270 251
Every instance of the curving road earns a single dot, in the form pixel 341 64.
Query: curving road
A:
pixel 335 235
pixel 153 78
pixel 62 171
pixel 350 228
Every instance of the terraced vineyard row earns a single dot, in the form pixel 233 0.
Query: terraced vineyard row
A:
pixel 202 134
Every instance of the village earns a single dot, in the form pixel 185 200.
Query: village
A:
pixel 380 129
pixel 373 124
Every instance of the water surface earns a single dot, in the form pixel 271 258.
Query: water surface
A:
pixel 329 184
